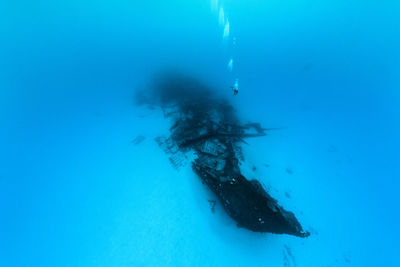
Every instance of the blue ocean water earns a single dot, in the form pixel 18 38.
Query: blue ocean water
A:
pixel 75 190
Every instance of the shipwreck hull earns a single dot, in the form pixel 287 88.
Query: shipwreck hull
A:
pixel 249 206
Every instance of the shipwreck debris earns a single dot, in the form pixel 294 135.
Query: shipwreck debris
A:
pixel 138 139
pixel 288 258
pixel 212 205
pixel 289 171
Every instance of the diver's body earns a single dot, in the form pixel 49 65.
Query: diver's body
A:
pixel 235 87
pixel 235 90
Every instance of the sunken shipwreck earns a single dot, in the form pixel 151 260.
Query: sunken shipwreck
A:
pixel 205 124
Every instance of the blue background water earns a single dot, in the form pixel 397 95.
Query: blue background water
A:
pixel 74 190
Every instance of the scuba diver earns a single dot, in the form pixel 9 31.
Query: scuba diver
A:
pixel 235 90
pixel 235 87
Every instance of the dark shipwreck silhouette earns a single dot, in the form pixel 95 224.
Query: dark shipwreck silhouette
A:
pixel 207 125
